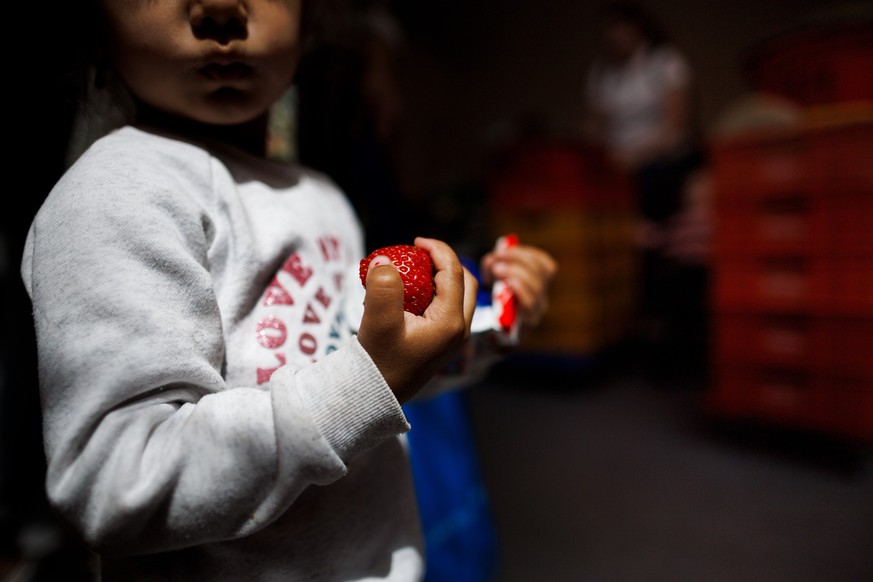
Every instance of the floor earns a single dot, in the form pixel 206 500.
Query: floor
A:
pixel 598 474
pixel 607 476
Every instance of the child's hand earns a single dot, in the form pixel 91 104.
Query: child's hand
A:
pixel 406 348
pixel 528 271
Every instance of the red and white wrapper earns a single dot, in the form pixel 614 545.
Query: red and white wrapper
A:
pixel 501 317
pixel 504 302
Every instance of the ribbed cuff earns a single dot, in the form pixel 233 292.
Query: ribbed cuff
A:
pixel 350 401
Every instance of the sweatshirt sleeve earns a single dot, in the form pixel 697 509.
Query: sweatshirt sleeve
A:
pixel 148 448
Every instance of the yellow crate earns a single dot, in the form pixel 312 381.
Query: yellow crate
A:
pixel 557 232
pixel 617 230
pixel 620 267
pixel 624 296
pixel 578 271
pixel 568 311
pixel 579 341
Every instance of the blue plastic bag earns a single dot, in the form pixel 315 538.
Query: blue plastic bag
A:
pixel 460 539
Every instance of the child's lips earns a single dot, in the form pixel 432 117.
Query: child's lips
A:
pixel 225 73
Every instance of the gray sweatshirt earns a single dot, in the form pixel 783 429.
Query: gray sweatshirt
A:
pixel 208 412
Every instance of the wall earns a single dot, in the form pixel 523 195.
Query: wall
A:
pixel 475 64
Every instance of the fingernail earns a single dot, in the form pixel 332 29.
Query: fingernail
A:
pixel 379 260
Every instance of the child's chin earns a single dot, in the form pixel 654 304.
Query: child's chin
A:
pixel 229 106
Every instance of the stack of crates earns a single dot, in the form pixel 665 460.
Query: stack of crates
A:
pixel 567 199
pixel 816 65
pixel 792 303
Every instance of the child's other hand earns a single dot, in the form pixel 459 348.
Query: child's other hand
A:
pixel 409 349
pixel 528 271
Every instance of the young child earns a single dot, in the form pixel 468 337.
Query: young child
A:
pixel 211 410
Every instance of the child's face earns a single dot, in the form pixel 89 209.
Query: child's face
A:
pixel 215 61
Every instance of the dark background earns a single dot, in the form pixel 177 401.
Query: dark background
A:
pixel 473 69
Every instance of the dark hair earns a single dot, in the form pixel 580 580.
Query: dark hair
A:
pixel 637 15
pixel 72 33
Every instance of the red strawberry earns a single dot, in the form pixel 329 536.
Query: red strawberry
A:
pixel 416 271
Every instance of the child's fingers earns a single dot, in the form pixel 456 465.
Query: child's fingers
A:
pixel 533 301
pixel 528 271
pixel 471 289
pixel 486 268
pixel 449 276
pixel 500 264
pixel 532 267
pixel 534 259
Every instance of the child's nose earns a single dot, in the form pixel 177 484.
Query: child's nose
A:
pixel 219 20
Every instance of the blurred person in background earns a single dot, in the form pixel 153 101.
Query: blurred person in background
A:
pixel 639 107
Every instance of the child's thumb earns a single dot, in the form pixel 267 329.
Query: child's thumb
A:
pixel 383 301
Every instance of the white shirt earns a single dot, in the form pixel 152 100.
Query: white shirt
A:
pixel 631 97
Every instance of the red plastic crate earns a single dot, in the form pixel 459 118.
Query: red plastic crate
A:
pixel 780 285
pixel 833 346
pixel 843 153
pixel 850 223
pixel 769 396
pixel 514 195
pixel 553 173
pixel 790 341
pixel 805 159
pixel 848 345
pixel 835 224
pixel 851 285
pixel 774 397
pixel 772 226
pixel 816 65
pixel 851 411
pixel 769 164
